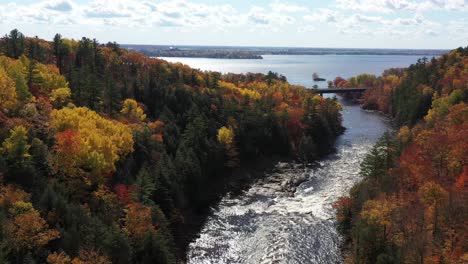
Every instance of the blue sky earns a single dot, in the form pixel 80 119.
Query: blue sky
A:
pixel 313 23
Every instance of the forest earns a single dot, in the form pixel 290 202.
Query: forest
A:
pixel 411 205
pixel 106 153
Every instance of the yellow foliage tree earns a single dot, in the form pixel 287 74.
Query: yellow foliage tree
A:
pixel 84 257
pixel 60 96
pixel 58 258
pixel 432 193
pixel 404 134
pixel 48 78
pixel 20 207
pixel 8 98
pixel 17 70
pixel 378 212
pixel 88 143
pixel 131 110
pixel 440 106
pixel 233 89
pixel 226 137
pixel 16 146
pixel 9 195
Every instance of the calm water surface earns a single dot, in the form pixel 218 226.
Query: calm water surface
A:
pixel 268 223
pixel 299 68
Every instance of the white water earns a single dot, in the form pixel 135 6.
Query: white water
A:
pixel 265 224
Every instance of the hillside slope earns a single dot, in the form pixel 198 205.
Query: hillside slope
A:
pixel 412 204
pixel 106 152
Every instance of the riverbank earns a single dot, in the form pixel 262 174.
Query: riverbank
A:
pixel 408 207
pixel 236 181
pixel 233 183
pixel 286 213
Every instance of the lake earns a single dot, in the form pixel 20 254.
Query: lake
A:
pixel 299 68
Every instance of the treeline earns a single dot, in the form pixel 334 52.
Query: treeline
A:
pixel 411 206
pixel 221 52
pixel 106 152
pixel 163 51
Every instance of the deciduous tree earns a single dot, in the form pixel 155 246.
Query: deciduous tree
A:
pixel 95 142
pixel 8 96
pixel 226 137
pixel 131 110
pixel 27 230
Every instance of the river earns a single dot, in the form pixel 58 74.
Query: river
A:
pixel 271 223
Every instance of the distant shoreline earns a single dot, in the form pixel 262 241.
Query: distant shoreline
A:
pixel 225 57
pixel 258 52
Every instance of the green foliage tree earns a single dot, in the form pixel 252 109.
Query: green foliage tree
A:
pixel 16 151
pixel 145 187
pixel 15 44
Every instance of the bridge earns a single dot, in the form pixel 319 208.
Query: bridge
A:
pixel 339 90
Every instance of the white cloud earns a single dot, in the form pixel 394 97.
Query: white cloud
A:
pixel 397 33
pixel 287 8
pixel 260 17
pixel 414 21
pixel 129 13
pixel 362 18
pixel 27 15
pixel 306 28
pixel 358 18
pixel 322 15
pixel 362 25
pixel 431 32
pixel 375 5
pixel 149 13
pixel 59 5
pixel 2 14
pixel 458 29
pixel 399 5
pixel 108 9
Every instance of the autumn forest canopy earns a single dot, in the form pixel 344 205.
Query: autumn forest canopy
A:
pixel 107 153
pixel 411 206
pixel 110 156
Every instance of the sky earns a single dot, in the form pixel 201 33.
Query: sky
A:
pixel 417 24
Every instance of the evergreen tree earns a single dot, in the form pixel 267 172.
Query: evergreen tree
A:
pixel 15 44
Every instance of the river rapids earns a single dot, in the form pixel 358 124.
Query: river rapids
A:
pixel 287 216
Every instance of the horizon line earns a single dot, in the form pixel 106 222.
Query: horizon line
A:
pixel 279 47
